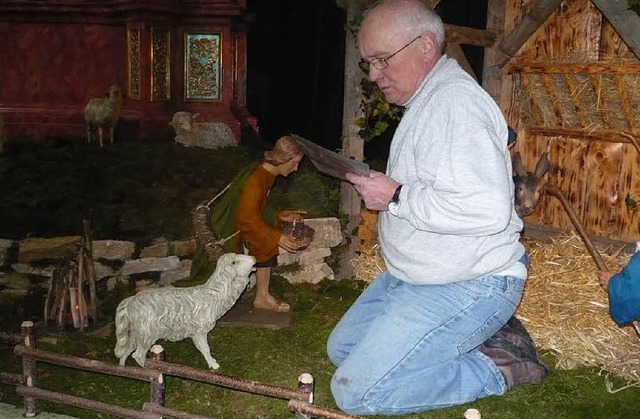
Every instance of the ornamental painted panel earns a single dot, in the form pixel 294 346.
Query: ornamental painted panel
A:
pixel 202 73
pixel 160 64
pixel 133 62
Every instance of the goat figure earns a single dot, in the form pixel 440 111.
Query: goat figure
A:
pixel 102 114
pixel 178 313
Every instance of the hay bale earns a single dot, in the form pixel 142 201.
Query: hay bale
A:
pixel 566 311
pixel 563 307
pixel 368 264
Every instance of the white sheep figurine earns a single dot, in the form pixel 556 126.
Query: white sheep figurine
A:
pixel 211 135
pixel 102 114
pixel 178 313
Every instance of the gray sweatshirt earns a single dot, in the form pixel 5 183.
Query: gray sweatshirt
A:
pixel 456 219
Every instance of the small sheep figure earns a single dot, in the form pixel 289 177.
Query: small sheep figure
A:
pixel 211 135
pixel 102 114
pixel 178 313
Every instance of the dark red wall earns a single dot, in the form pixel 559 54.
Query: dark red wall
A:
pixel 50 71
pixel 57 55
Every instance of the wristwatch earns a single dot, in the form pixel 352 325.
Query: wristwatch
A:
pixel 395 201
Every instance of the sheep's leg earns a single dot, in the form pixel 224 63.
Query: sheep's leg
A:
pixel 100 135
pixel 88 135
pixel 140 355
pixel 203 346
pixel 111 134
pixel 125 356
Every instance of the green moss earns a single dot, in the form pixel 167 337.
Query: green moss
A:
pixel 277 357
pixel 50 186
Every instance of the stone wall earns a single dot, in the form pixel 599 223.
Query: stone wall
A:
pixel 30 262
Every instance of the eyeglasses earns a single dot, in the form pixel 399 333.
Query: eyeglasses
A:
pixel 382 63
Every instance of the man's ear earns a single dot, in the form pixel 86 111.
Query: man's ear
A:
pixel 428 45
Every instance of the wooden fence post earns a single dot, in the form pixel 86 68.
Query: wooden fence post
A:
pixel 158 385
pixel 306 384
pixel 29 367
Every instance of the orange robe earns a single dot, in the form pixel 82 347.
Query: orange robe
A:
pixel 260 238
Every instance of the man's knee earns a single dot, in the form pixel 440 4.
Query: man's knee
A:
pixel 335 349
pixel 349 395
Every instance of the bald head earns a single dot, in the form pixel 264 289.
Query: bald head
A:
pixel 408 17
pixel 399 42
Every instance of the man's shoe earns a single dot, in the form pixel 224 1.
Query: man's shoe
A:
pixel 516 364
pixel 515 332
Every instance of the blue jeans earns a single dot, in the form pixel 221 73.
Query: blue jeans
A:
pixel 405 348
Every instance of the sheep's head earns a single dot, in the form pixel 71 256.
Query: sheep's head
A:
pixel 182 121
pixel 115 92
pixel 234 265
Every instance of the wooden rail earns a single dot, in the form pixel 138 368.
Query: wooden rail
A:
pixel 300 399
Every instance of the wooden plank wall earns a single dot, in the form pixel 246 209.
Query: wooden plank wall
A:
pixel 594 175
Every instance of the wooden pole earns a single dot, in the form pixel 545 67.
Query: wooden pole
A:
pixel 91 270
pixel 158 385
pixel 29 368
pixel 352 143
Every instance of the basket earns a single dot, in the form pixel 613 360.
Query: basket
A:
pixel 298 230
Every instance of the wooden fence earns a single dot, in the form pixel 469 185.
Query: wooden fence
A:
pixel 300 400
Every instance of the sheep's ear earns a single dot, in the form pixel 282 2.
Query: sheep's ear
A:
pixel 195 115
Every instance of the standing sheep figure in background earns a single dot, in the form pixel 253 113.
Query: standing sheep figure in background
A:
pixel 102 114
pixel 211 135
pixel 178 313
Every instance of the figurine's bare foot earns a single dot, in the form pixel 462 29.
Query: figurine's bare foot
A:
pixel 269 303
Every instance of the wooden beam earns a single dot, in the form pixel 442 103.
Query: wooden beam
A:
pixel 455 51
pixel 599 134
pixel 492 74
pixel 624 100
pixel 514 40
pixel 469 36
pixel 575 99
pixel 625 21
pixel 535 109
pixel 601 67
pixel 597 88
pixel 553 97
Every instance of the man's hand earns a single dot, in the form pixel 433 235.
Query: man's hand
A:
pixel 376 190
pixel 288 243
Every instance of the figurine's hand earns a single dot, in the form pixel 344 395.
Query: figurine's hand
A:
pixel 288 243
pixel 294 216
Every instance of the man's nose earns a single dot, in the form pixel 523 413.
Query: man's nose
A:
pixel 374 74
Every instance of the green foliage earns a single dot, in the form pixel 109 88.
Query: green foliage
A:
pixel 127 190
pixel 306 190
pixel 378 114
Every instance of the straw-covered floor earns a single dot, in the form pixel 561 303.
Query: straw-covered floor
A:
pixel 563 307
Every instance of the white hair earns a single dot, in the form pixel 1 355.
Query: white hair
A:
pixel 413 17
